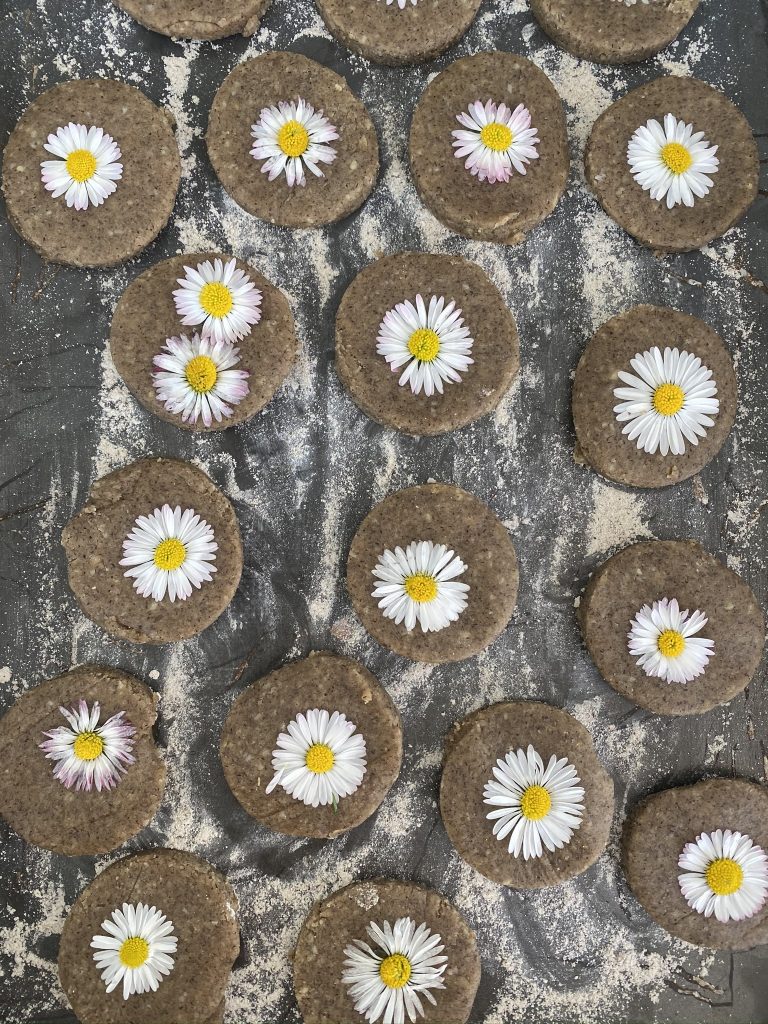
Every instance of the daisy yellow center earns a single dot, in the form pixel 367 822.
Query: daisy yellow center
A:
pixel 671 643
pixel 201 374
pixel 134 952
pixel 81 165
pixel 424 344
pixel 395 970
pixel 668 399
pixel 88 746
pixel 421 588
pixel 293 139
pixel 170 554
pixel 497 137
pixel 724 876
pixel 676 157
pixel 216 298
pixel 535 803
pixel 320 758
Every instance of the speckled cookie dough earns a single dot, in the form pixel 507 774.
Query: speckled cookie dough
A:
pixel 197 19
pixel 93 542
pixel 366 374
pixel 344 916
pixel 203 909
pixel 682 228
pixel 682 570
pixel 133 215
pixel 265 81
pixel 600 438
pixel 654 837
pixel 504 211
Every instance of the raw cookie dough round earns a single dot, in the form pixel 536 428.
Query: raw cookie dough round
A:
pixel 446 515
pixel 599 433
pixel 682 569
pixel 609 31
pixel 683 227
pixel 264 710
pixel 197 19
pixel 133 215
pixel 504 211
pixel 266 81
pixel 42 810
pixel 471 753
pixel 202 907
pixel 367 376
pixel 146 316
pixel 654 837
pixel 93 542
pixel 345 915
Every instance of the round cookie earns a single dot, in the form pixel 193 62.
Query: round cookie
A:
pixel 682 228
pixel 264 710
pixel 344 916
pixel 266 81
pixel 599 433
pixel 146 316
pixel 197 19
pixel 654 837
pixel 44 811
pixel 93 542
pixel 446 515
pixel 202 907
pixel 366 374
pixel 650 571
pixel 471 753
pixel 504 211
pixel 610 31
pixel 129 219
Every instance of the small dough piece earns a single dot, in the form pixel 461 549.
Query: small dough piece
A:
pixel 446 515
pixel 599 433
pixel 197 19
pixel 93 542
pixel 471 753
pixel 683 227
pixel 344 916
pixel 654 837
pixel 682 569
pixel 367 376
pixel 42 810
pixel 129 219
pixel 264 710
pixel 146 316
pixel 203 909
pixel 266 81
pixel 504 211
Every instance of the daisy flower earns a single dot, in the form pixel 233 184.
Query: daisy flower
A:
pixel 534 806
pixel 320 759
pixel 88 754
pixel 417 585
pixel 87 166
pixel 289 137
pixel 169 550
pixel 672 161
pixel 725 874
pixel 631 3
pixel 671 400
pixel 221 298
pixel 663 640
pixel 198 378
pixel 402 3
pixel 136 950
pixel 432 343
pixel 497 140
pixel 389 980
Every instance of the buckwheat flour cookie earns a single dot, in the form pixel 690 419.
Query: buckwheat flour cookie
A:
pixel 90 173
pixel 197 19
pixel 671 628
pixel 155 555
pixel 425 343
pixel 674 163
pixel 488 147
pixel 391 940
pixel 290 142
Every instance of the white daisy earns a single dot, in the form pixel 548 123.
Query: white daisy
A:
pixel 290 136
pixel 197 378
pixel 534 805
pixel 631 3
pixel 432 342
pixel 87 168
pixel 136 950
pixel 169 550
pixel 498 140
pixel 88 754
pixel 672 161
pixel 662 639
pixel 671 400
pixel 389 980
pixel 402 4
pixel 725 874
pixel 221 298
pixel 417 586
